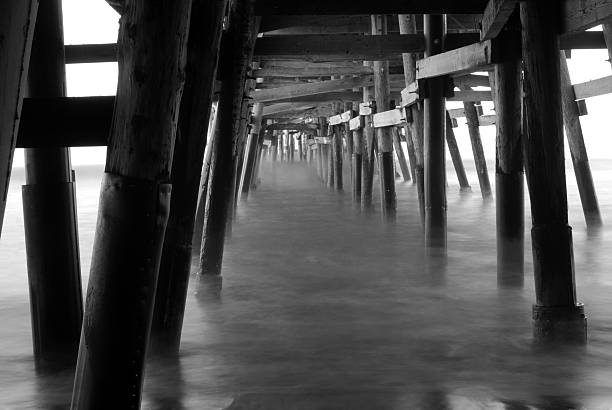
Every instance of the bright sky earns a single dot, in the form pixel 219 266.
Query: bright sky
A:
pixel 93 21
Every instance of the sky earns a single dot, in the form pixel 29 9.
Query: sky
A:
pixel 93 21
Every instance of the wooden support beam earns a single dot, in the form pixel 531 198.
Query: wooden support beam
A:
pixel 281 108
pixel 584 14
pixel 307 128
pixel 389 118
pixel 312 70
pixel 347 7
pixel 495 17
pixel 17 20
pixel 473 123
pixel 314 88
pixel 453 149
pixel 593 88
pixel 475 57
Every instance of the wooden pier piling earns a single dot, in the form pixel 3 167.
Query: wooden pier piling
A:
pixel 369 150
pixel 236 53
pixel 557 314
pixel 578 152
pixel 434 113
pixel 134 206
pixel 175 267
pixel 509 176
pixel 473 123
pixel 383 135
pixel 455 154
pixel 49 209
pixel 401 157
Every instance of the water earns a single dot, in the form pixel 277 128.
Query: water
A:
pixel 326 308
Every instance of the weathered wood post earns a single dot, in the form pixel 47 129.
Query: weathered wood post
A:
pixel 49 211
pixel 251 149
pixel 455 154
pixel 473 123
pixel 369 151
pixel 383 135
pixel 434 112
pixel 401 157
pixel 607 31
pixel 134 205
pixel 509 198
pixel 557 314
pixel 274 146
pixel 338 160
pixel 202 55
pixel 575 140
pixel 211 136
pixel 329 148
pixel 236 53
pixel 322 159
pixel 357 160
pixel 17 21
pixel 407 25
pixel 301 147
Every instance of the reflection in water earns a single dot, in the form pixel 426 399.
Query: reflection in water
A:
pixel 324 307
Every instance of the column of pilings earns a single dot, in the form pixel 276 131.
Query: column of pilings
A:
pixel 434 112
pixel 49 206
pixel 188 157
pixel 453 149
pixel 557 313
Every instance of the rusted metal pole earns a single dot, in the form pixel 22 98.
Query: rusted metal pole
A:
pixel 453 149
pixel 557 314
pixel 578 152
pixel 17 21
pixel 509 176
pixel 134 206
pixel 202 55
pixel 383 135
pixel 49 210
pixel 434 113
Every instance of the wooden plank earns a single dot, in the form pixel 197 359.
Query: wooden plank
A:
pixel 356 123
pixel 335 120
pixel 582 40
pixel 350 46
pixel 462 60
pixel 301 90
pixel 365 108
pixel 349 7
pixel 471 80
pixel 584 14
pixel 317 70
pixel 311 128
pixel 91 53
pixel 471 96
pixel 389 118
pixel 495 17
pixel 346 116
pixel 594 88
pixel 284 108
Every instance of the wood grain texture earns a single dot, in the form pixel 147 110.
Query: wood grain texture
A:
pixel 17 20
pixel 580 15
pixel 495 16
pixel 147 107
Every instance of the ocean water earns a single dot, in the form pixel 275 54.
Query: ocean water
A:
pixel 324 307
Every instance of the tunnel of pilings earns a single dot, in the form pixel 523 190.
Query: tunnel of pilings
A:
pixel 208 91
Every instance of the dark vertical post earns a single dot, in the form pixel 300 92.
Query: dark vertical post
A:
pixel 236 53
pixel 407 25
pixel 211 135
pixel 401 158
pixel 578 152
pixel 357 163
pixel 434 112
pixel 607 31
pixel 473 123
pixel 369 142
pixel 329 148
pixel 337 149
pixel 453 149
pixel 383 135
pixel 134 205
pixel 49 211
pixel 189 147
pixel 17 20
pixel 509 175
pixel 557 315
pixel 251 151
